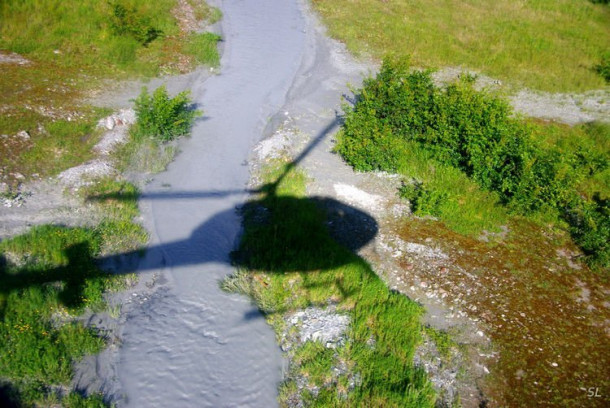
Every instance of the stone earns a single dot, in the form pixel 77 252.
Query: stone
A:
pixel 23 135
pixel 109 123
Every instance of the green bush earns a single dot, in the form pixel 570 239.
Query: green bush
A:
pixel 477 133
pixel 603 68
pixel 590 226
pixel 126 20
pixel 161 117
pixel 423 201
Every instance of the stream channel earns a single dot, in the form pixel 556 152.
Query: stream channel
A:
pixel 190 344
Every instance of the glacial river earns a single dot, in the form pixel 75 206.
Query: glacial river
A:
pixel 190 344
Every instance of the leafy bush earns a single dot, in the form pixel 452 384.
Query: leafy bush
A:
pixel 162 117
pixel 603 68
pixel 590 226
pixel 423 201
pixel 126 20
pixel 477 133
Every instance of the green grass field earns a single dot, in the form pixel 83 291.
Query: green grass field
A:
pixel 549 45
pixel 72 47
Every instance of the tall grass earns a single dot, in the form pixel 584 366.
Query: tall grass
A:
pixel 550 45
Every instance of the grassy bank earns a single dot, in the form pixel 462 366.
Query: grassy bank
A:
pixel 290 262
pixel 510 200
pixel 48 278
pixel 469 161
pixel 70 49
pixel 541 44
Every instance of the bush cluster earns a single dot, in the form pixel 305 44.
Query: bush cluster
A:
pixel 161 117
pixel 477 133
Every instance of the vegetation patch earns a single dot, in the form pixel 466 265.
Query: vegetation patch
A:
pixel 160 120
pixel 471 164
pixel 48 277
pixel 67 50
pixel 401 116
pixel 204 47
pixel 549 45
pixel 543 310
pixel 292 263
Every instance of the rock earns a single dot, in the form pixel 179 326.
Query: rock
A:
pixel 109 123
pixel 23 135
pixel 12 59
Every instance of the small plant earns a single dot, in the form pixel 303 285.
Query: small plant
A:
pixel 423 201
pixel 603 68
pixel 127 21
pixel 161 117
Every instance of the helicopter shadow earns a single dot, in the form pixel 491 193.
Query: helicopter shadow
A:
pixel 282 233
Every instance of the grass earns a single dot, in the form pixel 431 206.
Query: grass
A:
pixel 72 49
pixel 547 45
pixel 204 47
pixel 289 262
pixel 48 277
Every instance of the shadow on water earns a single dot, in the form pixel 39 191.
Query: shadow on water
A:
pixel 284 234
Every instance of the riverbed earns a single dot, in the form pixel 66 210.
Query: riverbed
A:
pixel 190 344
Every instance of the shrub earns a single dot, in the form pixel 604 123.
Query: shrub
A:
pixel 424 201
pixel 126 20
pixel 603 68
pixel 478 134
pixel 590 227
pixel 162 117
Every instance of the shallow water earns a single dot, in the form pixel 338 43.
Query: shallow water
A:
pixel 190 344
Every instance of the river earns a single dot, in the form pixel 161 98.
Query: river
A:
pixel 190 344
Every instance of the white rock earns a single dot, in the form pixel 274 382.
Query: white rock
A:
pixel 109 123
pixel 24 135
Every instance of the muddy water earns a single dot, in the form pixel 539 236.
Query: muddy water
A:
pixel 191 344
